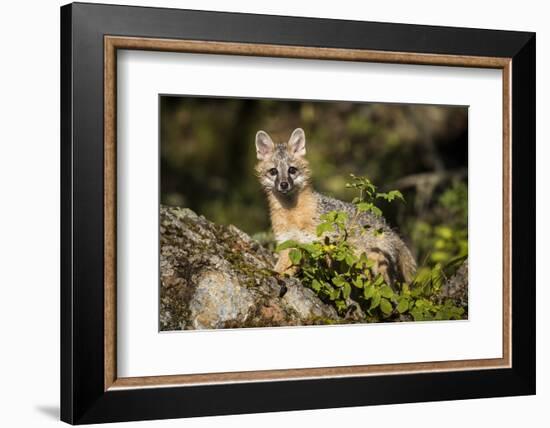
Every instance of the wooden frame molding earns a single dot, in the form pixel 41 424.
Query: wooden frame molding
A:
pixel 113 43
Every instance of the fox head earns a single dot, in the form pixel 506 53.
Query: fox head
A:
pixel 282 167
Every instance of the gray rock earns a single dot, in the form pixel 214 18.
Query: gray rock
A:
pixel 218 299
pixel 214 276
pixel 456 288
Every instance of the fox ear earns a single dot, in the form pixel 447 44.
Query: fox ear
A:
pixel 264 145
pixel 297 142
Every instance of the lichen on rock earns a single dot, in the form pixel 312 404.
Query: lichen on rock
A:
pixel 215 276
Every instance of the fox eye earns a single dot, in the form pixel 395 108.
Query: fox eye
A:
pixel 292 170
pixel 273 171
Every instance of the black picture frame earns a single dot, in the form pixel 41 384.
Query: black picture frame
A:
pixel 83 398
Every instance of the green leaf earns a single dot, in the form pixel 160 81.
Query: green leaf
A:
pixel 324 228
pixel 386 306
pixel 315 285
pixel 368 206
pixel 368 292
pixel 341 217
pixel 364 206
pixel 386 291
pixel 403 305
pixel 329 216
pixel 340 256
pixel 310 248
pixel 378 281
pixel 358 282
pixel 339 281
pixel 417 314
pixel 346 291
pixel 376 211
pixel 375 300
pixel 350 259
pixel 295 256
pixel 286 245
pixel 391 195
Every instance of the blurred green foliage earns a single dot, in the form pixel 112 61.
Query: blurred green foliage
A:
pixel 442 244
pixel 208 156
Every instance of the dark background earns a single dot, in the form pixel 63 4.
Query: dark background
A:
pixel 208 157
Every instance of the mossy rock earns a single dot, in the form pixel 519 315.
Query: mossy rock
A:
pixel 215 276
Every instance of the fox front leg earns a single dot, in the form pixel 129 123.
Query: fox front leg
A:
pixel 284 265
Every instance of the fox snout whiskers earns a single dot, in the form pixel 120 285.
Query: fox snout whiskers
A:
pixel 284 184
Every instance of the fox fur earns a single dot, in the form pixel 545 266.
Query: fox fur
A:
pixel 295 209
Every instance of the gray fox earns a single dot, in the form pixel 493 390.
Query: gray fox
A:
pixel 295 209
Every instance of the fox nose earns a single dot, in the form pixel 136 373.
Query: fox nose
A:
pixel 284 185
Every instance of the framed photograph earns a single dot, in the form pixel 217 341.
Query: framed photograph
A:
pixel 320 213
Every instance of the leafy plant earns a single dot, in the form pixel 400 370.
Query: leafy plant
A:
pixel 331 267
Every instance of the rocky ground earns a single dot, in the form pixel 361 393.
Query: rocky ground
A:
pixel 215 276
